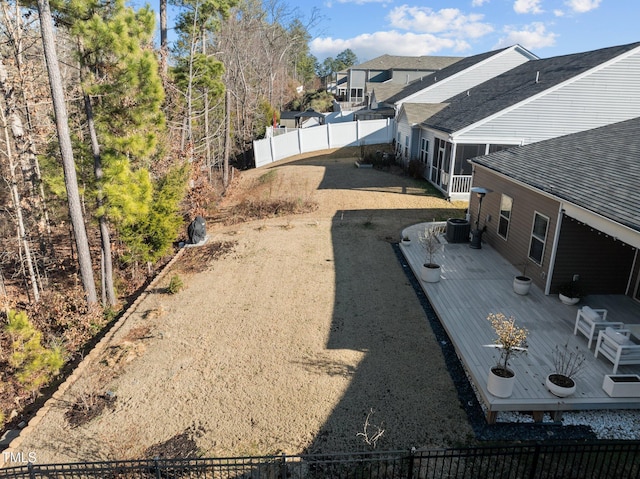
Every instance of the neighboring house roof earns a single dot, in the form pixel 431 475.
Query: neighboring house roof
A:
pixel 288 114
pixel 382 91
pixel 418 112
pixel 517 85
pixel 391 62
pixel 446 72
pixel 596 169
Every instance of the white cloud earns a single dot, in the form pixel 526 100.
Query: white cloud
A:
pixel 449 22
pixel 368 46
pixel 527 6
pixel 558 13
pixel 531 37
pixel 478 3
pixel 583 6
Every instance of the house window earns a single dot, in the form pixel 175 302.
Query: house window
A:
pixel 538 237
pixel 357 94
pixel 424 150
pixel 506 203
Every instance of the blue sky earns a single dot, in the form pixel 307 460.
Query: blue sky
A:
pixel 465 27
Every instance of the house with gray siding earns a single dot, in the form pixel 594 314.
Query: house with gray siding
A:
pixel 437 88
pixel 399 70
pixel 567 207
pixel 409 118
pixel 457 77
pixel 538 100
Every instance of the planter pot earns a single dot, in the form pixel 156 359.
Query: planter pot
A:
pixel 406 242
pixel 567 299
pixel 521 285
pixel 622 385
pixel 501 385
pixel 566 388
pixel 430 273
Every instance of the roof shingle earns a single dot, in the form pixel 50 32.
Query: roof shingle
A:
pixel 597 169
pixel 516 85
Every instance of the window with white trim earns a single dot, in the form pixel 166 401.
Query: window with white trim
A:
pixel 538 237
pixel 506 203
pixel 424 150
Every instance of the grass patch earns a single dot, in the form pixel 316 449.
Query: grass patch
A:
pixel 268 177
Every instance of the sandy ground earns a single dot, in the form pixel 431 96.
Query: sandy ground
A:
pixel 284 343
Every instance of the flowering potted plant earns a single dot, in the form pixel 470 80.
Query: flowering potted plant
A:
pixel 511 341
pixel 567 363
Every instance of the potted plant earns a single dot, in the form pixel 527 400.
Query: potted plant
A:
pixel 430 242
pixel 522 283
pixel 569 292
pixel 567 363
pixel 511 340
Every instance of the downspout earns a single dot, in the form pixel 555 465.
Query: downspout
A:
pixel 554 250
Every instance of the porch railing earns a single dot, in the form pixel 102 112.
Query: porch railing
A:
pixel 461 183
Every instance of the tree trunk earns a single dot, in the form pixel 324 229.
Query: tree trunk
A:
pixel 227 139
pixel 108 291
pixel 105 236
pixel 66 151
pixel 164 47
pixel 25 145
pixel 15 197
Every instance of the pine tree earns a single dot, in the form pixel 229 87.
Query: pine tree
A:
pixel 66 151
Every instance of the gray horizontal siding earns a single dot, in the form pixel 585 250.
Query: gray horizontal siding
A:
pixel 490 68
pixel 606 95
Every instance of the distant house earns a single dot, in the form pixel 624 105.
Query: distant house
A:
pixel 435 89
pixel 566 207
pixel 400 70
pixel 538 100
pixel 439 86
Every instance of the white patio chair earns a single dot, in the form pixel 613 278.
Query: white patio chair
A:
pixel 591 321
pixel 617 346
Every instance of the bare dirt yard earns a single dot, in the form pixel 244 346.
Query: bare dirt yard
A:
pixel 287 333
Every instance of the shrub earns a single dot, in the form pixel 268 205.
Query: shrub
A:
pixel 33 363
pixel 416 169
pixel 175 284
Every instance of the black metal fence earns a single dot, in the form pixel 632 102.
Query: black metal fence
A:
pixel 608 459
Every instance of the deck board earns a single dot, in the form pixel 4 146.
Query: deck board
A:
pixel 477 282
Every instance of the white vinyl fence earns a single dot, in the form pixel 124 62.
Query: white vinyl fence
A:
pixel 323 137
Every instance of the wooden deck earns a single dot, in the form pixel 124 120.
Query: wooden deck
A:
pixel 477 282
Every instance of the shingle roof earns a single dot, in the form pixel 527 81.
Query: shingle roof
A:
pixel 446 72
pixel 517 85
pixel 597 169
pixel 384 90
pixel 418 112
pixel 389 62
